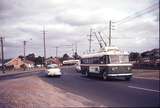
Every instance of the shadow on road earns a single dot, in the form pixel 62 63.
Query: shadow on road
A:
pixel 17 75
pixel 107 80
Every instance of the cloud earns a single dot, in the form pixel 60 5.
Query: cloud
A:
pixel 68 22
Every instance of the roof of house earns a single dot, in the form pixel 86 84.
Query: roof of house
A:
pixel 26 61
pixel 11 60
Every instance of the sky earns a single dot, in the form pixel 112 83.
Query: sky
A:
pixel 68 22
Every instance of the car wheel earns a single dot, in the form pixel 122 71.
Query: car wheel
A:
pixel 58 76
pixel 104 76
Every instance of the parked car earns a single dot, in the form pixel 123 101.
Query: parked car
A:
pixel 53 70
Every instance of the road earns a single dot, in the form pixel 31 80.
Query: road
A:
pixel 112 93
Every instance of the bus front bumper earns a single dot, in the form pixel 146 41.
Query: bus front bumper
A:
pixel 124 74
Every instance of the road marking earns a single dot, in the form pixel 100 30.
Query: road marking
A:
pixel 147 78
pixel 143 89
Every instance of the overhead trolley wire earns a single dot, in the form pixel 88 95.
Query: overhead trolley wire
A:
pixel 139 13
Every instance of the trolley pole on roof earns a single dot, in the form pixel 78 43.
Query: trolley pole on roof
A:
pixel 2 51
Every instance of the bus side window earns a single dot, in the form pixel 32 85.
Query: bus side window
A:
pixel 82 61
pixel 107 59
pixel 95 60
pixel 102 60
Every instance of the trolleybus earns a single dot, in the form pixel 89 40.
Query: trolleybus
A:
pixel 109 62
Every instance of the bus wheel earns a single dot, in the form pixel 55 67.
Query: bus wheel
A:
pixel 86 74
pixel 127 78
pixel 104 76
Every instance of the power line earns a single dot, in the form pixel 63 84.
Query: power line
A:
pixel 139 13
pixel 57 48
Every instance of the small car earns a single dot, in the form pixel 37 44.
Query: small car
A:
pixel 78 68
pixel 53 70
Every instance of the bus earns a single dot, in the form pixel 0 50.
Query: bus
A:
pixel 71 62
pixel 75 63
pixel 108 62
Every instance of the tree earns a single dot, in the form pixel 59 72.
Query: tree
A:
pixel 21 57
pixel 145 54
pixel 76 56
pixel 65 57
pixel 134 56
pixel 39 60
pixel 31 57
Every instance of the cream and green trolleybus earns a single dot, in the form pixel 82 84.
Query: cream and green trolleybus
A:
pixel 108 62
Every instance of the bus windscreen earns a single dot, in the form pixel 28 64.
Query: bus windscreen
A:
pixel 118 59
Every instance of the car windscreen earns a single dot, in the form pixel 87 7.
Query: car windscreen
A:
pixel 118 59
pixel 52 66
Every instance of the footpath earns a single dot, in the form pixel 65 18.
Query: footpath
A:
pixel 30 89
pixel 146 74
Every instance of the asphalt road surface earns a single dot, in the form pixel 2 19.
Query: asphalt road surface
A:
pixel 110 93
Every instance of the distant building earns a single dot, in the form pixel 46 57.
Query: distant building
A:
pixel 29 64
pixel 18 62
pixel 53 61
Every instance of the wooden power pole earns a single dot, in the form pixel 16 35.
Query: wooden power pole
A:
pixel 2 53
pixel 90 41
pixel 110 24
pixel 44 45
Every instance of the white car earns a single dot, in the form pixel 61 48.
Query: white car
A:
pixel 53 70
pixel 78 68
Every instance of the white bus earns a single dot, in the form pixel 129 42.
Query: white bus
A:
pixel 76 63
pixel 109 62
pixel 71 62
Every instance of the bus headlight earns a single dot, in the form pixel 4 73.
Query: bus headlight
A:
pixel 114 68
pixel 129 68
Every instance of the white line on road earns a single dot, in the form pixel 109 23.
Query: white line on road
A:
pixel 147 78
pixel 143 89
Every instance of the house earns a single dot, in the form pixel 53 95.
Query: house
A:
pixel 53 61
pixel 57 61
pixel 18 62
pixel 29 64
pixel 15 62
pixel 49 60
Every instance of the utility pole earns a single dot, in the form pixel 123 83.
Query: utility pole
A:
pixel 73 48
pixel 44 45
pixel 2 51
pixel 24 52
pixel 76 49
pixel 24 49
pixel 90 40
pixel 110 24
pixel 57 51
